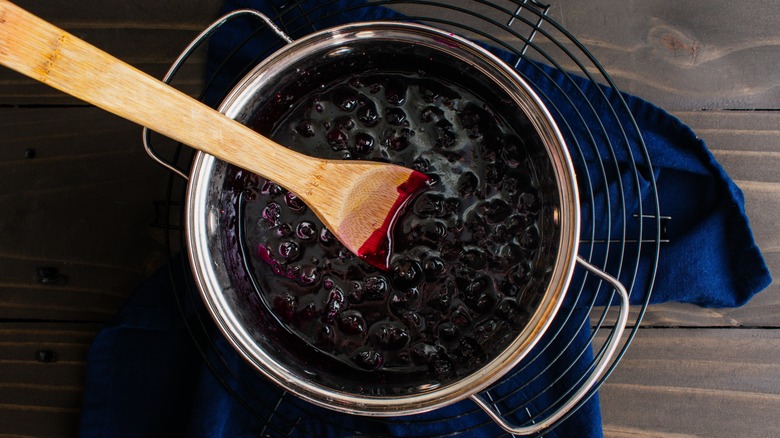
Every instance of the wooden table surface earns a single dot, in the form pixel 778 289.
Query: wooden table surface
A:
pixel 78 194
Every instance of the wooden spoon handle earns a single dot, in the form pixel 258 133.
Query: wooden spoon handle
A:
pixel 50 55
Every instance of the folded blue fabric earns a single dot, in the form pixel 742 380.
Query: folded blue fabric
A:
pixel 147 376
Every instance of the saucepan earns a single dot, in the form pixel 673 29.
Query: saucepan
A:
pixel 236 298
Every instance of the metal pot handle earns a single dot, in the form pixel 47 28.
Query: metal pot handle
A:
pixel 595 376
pixel 186 54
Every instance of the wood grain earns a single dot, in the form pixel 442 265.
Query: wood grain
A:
pixel 82 205
pixel 148 35
pixel 695 382
pixel 42 398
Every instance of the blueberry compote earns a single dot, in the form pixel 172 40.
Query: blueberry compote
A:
pixel 464 276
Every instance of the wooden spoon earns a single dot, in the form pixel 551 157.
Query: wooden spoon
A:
pixel 358 201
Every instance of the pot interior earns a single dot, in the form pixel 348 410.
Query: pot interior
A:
pixel 473 279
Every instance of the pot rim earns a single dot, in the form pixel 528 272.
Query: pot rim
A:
pixel 200 222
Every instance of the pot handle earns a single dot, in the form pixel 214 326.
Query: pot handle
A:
pixel 185 54
pixel 595 376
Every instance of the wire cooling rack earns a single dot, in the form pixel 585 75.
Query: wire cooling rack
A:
pixel 621 232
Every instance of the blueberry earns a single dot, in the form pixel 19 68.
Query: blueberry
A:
pixel 433 267
pixel 368 114
pixel 345 98
pixel 406 273
pixel 467 184
pixel 334 304
pixel 474 258
pixel 441 297
pixel 326 237
pixel 429 205
pixel 529 240
pixel 528 203
pixel 352 322
pixel 474 120
pixel 448 331
pixel 514 151
pixel 285 306
pixel 271 189
pixel 305 128
pixel 375 288
pixel 401 301
pixel 294 202
pixel 495 210
pixel 444 134
pixel 306 230
pixel 344 123
pixel 309 275
pixel 337 139
pixel 325 336
pixel 423 352
pixel 395 91
pixel 289 251
pixel 368 359
pixel 364 144
pixel 396 142
pixel 389 336
pixel 441 368
pixel 395 116
pixel 431 114
pixel 272 213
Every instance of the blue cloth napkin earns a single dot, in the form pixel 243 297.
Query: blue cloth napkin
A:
pixel 160 368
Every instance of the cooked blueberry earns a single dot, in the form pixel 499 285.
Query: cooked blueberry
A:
pixel 495 210
pixel 285 306
pixel 395 116
pixel 375 288
pixel 368 359
pixel 406 273
pixel 309 275
pixel 337 139
pixel 326 237
pixel 289 251
pixel 474 258
pixel 433 267
pixel 529 240
pixel 467 184
pixel 441 296
pixel 345 98
pixel 396 142
pixel 474 120
pixel 344 123
pixel 395 91
pixel 351 322
pixel 364 144
pixel 272 213
pixel 305 128
pixel 294 202
pixel 445 135
pixel 389 336
pixel 368 114
pixel 306 230
pixel 429 205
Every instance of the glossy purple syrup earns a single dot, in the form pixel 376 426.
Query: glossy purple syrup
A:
pixel 464 274
pixel 378 248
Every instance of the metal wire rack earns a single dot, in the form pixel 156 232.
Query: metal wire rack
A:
pixel 622 229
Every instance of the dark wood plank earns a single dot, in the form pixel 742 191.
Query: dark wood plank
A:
pixel 680 55
pixel 695 382
pixel 39 398
pixel 684 55
pixel 82 205
pixel 148 35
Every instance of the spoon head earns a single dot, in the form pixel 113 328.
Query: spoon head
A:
pixel 363 213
